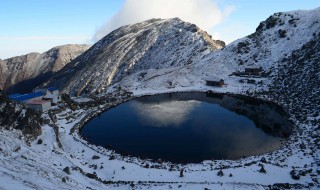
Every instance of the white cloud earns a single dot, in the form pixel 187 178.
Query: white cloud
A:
pixel 204 13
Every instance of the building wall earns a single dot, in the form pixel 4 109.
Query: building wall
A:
pixel 55 98
pixel 40 107
pixel 46 106
pixel 37 107
pixel 215 83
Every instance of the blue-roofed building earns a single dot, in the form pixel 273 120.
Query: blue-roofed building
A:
pixel 39 99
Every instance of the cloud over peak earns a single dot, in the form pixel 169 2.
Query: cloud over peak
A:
pixel 204 13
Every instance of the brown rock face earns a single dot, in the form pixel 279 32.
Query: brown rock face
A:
pixel 23 73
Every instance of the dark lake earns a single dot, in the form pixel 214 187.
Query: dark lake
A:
pixel 190 127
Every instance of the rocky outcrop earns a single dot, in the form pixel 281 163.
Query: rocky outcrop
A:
pixel 23 73
pixel 16 116
pixel 298 81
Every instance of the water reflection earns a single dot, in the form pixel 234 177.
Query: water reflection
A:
pixel 164 114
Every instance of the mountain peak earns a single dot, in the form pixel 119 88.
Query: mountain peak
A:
pixel 147 45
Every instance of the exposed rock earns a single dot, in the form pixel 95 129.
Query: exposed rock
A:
pixel 72 104
pixel 263 160
pixel 95 157
pixel 67 170
pixel 181 172
pixel 282 33
pixel 91 175
pixel 262 170
pixel 295 174
pixel 220 173
pixel 39 141
pixel 302 146
pixel 282 185
pixel 112 157
pixel 159 161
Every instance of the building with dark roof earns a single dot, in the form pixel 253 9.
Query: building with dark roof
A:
pixel 215 82
pixel 253 70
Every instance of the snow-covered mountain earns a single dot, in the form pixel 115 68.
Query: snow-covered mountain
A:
pixel 151 45
pixel 23 73
pixel 171 54
pixel 275 39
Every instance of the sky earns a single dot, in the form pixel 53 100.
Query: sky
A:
pixel 38 25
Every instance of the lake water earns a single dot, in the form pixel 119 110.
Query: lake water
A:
pixel 189 127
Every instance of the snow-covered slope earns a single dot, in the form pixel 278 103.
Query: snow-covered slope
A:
pixel 23 73
pixel 297 83
pixel 171 54
pixel 153 44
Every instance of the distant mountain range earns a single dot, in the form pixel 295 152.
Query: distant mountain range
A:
pixel 23 73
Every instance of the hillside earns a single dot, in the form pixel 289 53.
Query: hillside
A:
pixel 23 73
pixel 265 48
pixel 151 45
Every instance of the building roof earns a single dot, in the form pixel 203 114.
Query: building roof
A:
pixel 28 96
pixel 37 102
pixel 14 95
pixel 52 89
